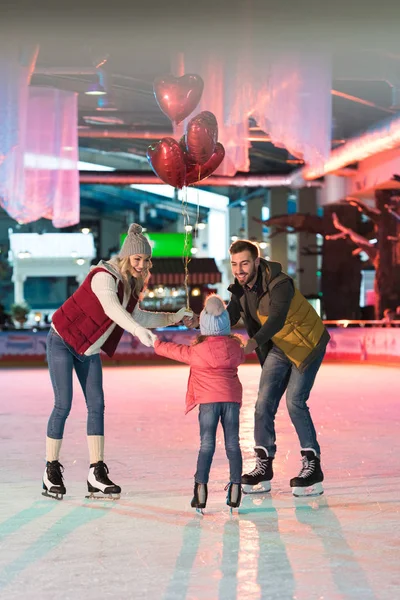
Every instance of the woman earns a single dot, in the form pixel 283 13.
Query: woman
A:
pixel 94 319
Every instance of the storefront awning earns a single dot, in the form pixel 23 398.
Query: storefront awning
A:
pixel 170 271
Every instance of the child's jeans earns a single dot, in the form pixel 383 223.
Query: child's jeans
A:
pixel 209 416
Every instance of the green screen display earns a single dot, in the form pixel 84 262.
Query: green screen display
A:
pixel 168 245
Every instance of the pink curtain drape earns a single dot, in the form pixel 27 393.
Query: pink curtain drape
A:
pixel 219 98
pixel 286 90
pixel 38 144
pixel 293 102
pixel 51 157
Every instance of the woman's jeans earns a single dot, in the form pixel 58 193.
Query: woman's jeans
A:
pixel 62 360
pixel 280 375
pixel 209 416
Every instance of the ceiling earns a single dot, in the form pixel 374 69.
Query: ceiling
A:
pixel 137 44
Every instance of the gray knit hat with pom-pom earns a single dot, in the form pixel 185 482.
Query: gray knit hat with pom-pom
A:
pixel 214 318
pixel 135 242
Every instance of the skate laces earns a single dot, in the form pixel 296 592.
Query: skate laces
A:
pixel 55 471
pixel 101 473
pixel 261 465
pixel 308 467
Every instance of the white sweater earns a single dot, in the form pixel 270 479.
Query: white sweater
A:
pixel 105 287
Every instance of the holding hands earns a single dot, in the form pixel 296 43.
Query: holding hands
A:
pixel 175 318
pixel 146 337
pixel 191 322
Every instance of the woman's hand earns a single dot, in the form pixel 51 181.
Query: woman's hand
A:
pixel 146 336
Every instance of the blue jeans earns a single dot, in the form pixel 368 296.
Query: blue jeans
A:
pixel 280 375
pixel 209 416
pixel 62 360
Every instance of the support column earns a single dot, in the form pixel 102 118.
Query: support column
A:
pixel 238 221
pixel 19 281
pixel 254 211
pixel 307 278
pixel 278 244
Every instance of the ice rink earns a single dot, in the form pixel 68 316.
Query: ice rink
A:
pixel 151 545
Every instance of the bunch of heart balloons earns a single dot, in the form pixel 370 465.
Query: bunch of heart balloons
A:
pixel 198 153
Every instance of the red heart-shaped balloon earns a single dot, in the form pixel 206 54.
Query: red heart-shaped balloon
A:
pixel 197 173
pixel 201 137
pixel 178 96
pixel 167 161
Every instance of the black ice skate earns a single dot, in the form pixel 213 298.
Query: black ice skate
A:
pixel 309 480
pixel 234 496
pixel 199 500
pixel 99 484
pixel 259 479
pixel 53 483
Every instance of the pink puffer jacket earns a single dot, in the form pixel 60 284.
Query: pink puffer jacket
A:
pixel 213 369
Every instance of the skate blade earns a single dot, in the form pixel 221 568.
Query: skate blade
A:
pixel 200 511
pixel 54 495
pixel 100 496
pixel 311 490
pixel 260 488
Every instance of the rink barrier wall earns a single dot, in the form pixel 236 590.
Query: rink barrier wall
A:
pixel 379 345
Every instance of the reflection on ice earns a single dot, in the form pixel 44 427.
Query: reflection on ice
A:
pixel 151 545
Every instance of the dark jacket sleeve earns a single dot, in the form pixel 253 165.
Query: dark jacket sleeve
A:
pixel 280 298
pixel 233 309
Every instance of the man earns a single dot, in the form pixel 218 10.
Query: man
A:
pixel 290 341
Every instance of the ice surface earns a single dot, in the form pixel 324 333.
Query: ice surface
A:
pixel 151 544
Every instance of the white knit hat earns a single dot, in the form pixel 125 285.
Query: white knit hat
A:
pixel 135 242
pixel 214 318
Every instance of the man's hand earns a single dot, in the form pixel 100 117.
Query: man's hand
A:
pixel 191 322
pixel 250 346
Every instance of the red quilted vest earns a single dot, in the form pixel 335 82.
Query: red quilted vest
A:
pixel 81 320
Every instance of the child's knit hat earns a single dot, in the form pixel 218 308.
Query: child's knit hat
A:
pixel 214 318
pixel 135 242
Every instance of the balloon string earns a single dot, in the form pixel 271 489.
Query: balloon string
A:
pixel 186 245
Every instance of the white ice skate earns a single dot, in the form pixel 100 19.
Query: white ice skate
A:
pixel 53 483
pixel 100 485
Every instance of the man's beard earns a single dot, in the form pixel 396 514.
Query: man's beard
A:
pixel 249 277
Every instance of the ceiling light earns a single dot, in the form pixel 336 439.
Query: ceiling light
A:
pixel 102 120
pixel 85 230
pixel 188 228
pixel 201 226
pixel 194 250
pixel 95 89
pixel 80 261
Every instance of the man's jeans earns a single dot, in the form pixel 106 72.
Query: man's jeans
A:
pixel 209 416
pixel 62 360
pixel 279 374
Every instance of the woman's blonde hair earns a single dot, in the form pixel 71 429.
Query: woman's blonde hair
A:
pixel 125 268
pixel 234 336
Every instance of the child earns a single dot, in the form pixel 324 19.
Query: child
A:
pixel 214 385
